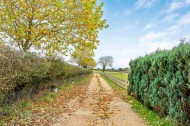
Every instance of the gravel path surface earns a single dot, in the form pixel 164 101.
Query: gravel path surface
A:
pixel 99 106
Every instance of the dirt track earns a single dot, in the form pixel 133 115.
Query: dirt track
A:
pixel 98 107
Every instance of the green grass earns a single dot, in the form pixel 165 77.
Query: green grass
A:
pixel 115 74
pixel 118 74
pixel 151 117
pixel 97 71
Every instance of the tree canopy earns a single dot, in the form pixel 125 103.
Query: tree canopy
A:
pixel 106 61
pixel 84 58
pixel 51 25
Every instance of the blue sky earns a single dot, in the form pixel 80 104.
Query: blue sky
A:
pixel 137 27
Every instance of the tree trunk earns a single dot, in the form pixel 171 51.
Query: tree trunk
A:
pixel 104 67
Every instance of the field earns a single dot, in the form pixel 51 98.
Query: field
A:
pixel 118 74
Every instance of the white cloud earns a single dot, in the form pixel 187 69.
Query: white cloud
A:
pixel 187 37
pixel 127 27
pixel 174 29
pixel 153 35
pixel 145 3
pixel 167 38
pixel 154 45
pixel 187 1
pixel 185 19
pixel 162 39
pixel 123 52
pixel 169 17
pixel 177 4
pixel 177 27
pixel 168 32
pixel 122 62
pixel 150 25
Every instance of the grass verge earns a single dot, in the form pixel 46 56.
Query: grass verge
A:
pixel 151 117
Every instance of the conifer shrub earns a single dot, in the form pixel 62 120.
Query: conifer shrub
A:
pixel 161 81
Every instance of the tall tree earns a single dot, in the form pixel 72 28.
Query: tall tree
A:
pixel 106 61
pixel 51 25
pixel 84 58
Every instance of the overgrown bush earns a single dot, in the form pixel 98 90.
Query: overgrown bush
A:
pixel 161 81
pixel 19 70
pixel 60 69
pixel 56 69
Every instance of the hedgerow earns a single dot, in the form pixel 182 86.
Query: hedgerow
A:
pixel 19 70
pixel 161 81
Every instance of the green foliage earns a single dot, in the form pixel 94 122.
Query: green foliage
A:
pixel 152 118
pixel 25 104
pixel 21 113
pixel 51 25
pixel 18 71
pixel 59 68
pixel 48 97
pixel 160 81
pixel 55 69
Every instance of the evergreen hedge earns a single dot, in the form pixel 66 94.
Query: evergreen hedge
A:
pixel 161 81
